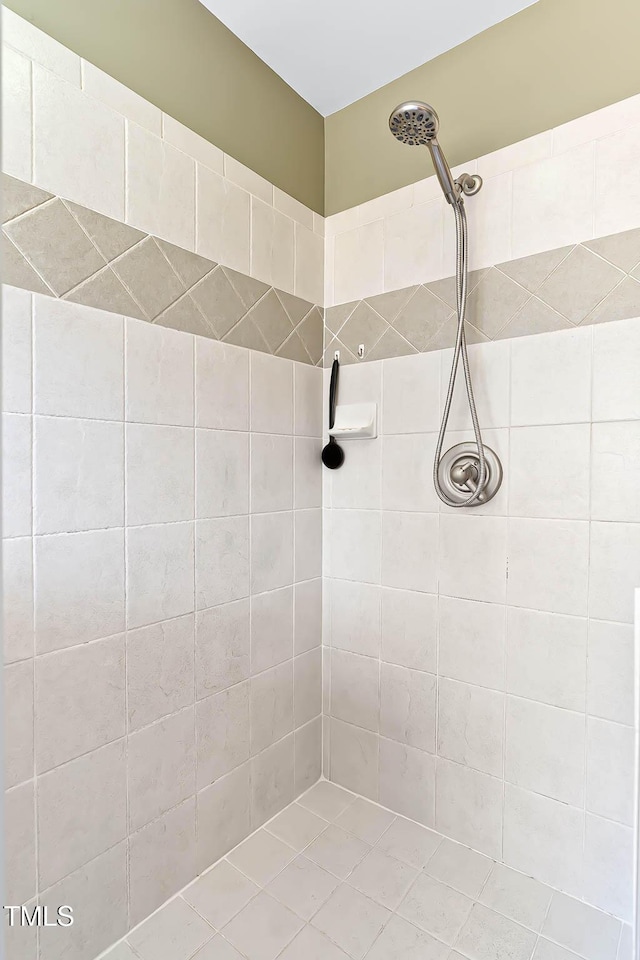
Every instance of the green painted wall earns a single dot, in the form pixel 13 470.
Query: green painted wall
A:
pixel 181 58
pixel 553 62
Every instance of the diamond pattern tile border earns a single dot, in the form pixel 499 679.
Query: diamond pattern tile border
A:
pixel 64 250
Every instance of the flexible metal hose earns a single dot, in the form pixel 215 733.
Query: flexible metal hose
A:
pixel 460 350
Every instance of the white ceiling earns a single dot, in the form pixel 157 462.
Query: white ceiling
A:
pixel 335 51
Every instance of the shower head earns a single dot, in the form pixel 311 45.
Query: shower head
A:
pixel 416 124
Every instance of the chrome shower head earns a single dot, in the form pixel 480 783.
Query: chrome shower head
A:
pixel 415 124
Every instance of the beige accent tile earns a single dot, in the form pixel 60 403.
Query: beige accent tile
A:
pixel 111 237
pixel 222 647
pixel 248 288
pixel 18 272
pixel 80 701
pixel 83 802
pixel 622 303
pixel 294 349
pixel 222 733
pixel 263 928
pixel 261 857
pixel 105 292
pixel 79 588
pixel 334 345
pixel 311 333
pixel 534 317
pixel 18 197
pixel 531 272
pixel 435 908
pixel 162 859
pixel 445 289
pixel 620 249
pixel 486 935
pixel 388 305
pixel 335 317
pixel 16 114
pixel 103 880
pixel 296 307
pixel 161 768
pixel 184 315
pixel 327 800
pixel 246 334
pixel 494 302
pixel 159 572
pixel 218 301
pixel 149 278
pixel 79 145
pixel 516 896
pixel 220 894
pixel 17 620
pixel 351 920
pixel 578 284
pixel 174 933
pixel 390 344
pixel 189 266
pixel 421 318
pixel 159 670
pixel 224 816
pixel 222 561
pixel 18 718
pixel 303 886
pixel 272 320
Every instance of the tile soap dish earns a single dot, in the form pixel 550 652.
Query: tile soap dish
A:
pixel 355 421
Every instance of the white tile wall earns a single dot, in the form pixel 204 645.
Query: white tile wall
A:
pixel 131 535
pixel 515 619
pixel 72 129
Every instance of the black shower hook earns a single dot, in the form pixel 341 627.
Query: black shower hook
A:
pixel 332 453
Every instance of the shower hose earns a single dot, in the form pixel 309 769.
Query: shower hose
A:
pixel 460 350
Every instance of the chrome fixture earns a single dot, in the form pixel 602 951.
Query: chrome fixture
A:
pixel 469 474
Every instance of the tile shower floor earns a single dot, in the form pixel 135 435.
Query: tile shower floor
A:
pixel 336 877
